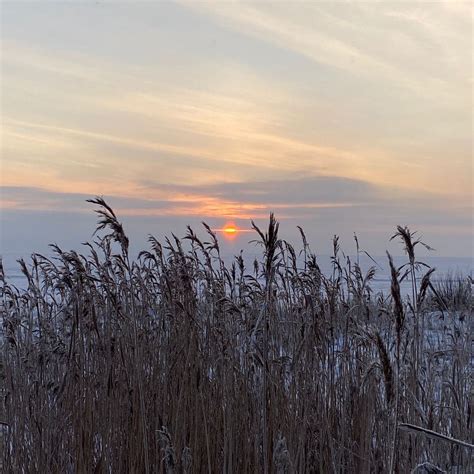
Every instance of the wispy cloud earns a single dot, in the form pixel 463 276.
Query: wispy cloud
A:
pixel 294 198
pixel 236 109
pixel 231 200
pixel 362 39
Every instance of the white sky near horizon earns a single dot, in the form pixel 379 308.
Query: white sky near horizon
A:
pixel 341 117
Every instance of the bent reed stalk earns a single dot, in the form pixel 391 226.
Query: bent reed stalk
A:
pixel 178 362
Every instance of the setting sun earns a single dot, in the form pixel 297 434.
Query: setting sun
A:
pixel 230 230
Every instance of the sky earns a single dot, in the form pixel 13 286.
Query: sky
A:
pixel 340 117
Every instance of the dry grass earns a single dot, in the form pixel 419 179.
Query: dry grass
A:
pixel 178 363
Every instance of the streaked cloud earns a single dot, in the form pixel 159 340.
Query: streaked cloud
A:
pixel 231 200
pixel 364 38
pixel 234 109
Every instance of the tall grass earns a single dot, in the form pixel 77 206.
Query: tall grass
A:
pixel 452 292
pixel 177 362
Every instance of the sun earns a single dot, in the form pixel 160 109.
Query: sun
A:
pixel 230 229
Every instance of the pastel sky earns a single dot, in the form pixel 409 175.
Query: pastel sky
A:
pixel 341 117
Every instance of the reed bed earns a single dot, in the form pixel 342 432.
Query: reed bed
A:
pixel 177 363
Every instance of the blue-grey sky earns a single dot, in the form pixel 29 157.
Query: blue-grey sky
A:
pixel 341 117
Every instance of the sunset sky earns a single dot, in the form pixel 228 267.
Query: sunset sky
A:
pixel 339 117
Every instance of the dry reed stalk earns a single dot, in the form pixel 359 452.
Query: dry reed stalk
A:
pixel 243 366
pixel 433 434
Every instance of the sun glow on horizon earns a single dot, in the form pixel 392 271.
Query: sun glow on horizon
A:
pixel 231 230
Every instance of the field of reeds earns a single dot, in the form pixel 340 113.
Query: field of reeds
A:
pixel 177 362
